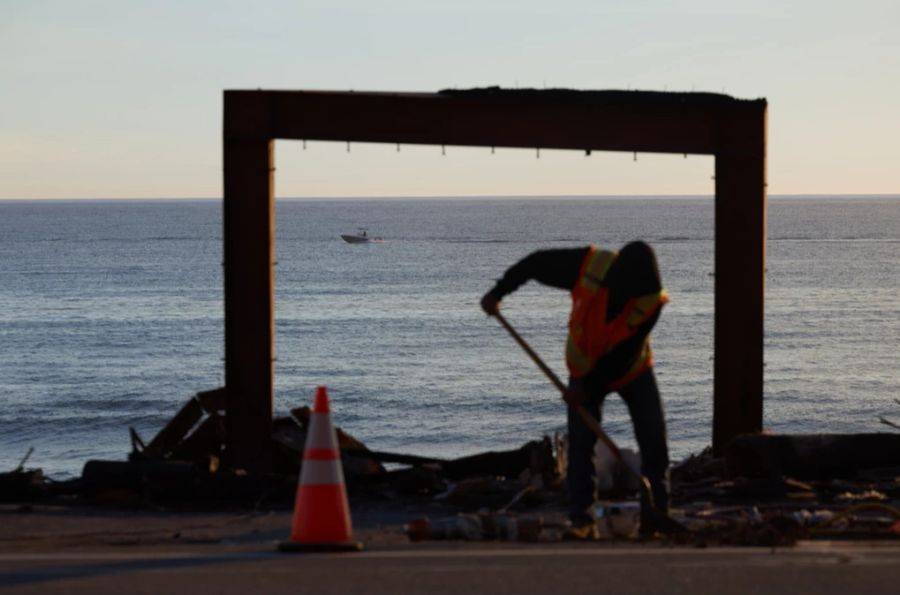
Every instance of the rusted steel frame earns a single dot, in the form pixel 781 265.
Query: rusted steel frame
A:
pixel 410 118
pixel 249 243
pixel 735 134
pixel 740 262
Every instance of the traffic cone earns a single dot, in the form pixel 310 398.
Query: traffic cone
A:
pixel 321 513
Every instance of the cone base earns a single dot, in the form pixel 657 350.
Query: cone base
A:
pixel 294 546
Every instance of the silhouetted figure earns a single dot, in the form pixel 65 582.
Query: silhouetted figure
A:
pixel 616 301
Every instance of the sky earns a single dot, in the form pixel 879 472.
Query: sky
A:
pixel 103 99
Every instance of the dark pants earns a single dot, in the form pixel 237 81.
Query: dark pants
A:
pixel 645 407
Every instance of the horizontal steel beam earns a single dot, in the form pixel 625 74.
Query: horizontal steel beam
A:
pixel 580 120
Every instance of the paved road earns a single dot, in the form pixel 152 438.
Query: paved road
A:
pixel 470 569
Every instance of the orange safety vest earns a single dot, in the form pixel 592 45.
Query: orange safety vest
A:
pixel 591 336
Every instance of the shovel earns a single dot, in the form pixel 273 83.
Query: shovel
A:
pixel 664 523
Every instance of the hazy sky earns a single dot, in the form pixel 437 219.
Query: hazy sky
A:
pixel 103 99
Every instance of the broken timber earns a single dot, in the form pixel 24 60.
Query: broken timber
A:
pixel 211 402
pixel 811 456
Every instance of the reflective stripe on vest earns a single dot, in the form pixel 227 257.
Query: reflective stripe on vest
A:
pixel 590 335
pixel 641 364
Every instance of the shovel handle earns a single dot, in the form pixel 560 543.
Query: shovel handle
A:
pixel 531 353
pixel 586 417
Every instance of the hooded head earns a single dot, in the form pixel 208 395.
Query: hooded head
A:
pixel 634 273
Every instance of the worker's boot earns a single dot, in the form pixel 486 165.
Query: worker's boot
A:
pixel 659 524
pixel 582 532
pixel 647 531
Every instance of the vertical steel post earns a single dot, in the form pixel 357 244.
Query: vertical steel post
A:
pixel 740 261
pixel 249 234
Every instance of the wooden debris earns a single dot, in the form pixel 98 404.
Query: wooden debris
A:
pixel 168 439
pixel 22 485
pixel 535 457
pixel 177 485
pixel 289 440
pixel 699 466
pixel 204 442
pixel 811 456
pixel 129 483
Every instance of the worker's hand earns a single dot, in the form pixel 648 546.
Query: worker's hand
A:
pixel 490 304
pixel 575 395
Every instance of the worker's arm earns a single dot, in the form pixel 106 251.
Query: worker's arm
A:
pixel 556 268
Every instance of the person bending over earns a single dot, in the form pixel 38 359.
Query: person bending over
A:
pixel 616 300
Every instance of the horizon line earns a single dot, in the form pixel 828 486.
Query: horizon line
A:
pixel 444 197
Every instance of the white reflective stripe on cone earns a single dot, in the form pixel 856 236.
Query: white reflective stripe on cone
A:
pixel 321 473
pixel 321 434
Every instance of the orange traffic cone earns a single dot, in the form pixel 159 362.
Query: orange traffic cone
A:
pixel 321 513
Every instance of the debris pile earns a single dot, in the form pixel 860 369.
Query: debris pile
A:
pixel 181 468
pixel 774 489
pixel 766 490
pixel 21 484
pixel 481 527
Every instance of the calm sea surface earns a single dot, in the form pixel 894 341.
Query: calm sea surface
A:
pixel 111 316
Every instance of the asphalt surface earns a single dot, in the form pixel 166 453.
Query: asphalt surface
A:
pixel 815 567
pixel 85 550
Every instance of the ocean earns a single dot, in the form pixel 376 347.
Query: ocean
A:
pixel 111 316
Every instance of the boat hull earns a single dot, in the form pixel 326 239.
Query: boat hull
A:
pixel 352 239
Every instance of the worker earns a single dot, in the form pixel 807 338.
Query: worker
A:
pixel 616 301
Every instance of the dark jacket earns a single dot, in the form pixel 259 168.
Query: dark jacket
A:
pixel 559 268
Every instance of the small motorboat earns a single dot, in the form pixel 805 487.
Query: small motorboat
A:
pixel 361 237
